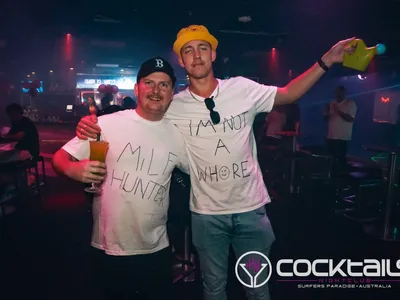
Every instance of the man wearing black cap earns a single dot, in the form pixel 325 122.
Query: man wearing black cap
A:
pixel 129 240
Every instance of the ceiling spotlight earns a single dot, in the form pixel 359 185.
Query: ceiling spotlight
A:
pixel 244 19
pixel 361 77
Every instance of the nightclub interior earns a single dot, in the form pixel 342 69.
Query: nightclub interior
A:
pixel 298 198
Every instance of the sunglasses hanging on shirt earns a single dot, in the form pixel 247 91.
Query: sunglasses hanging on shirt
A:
pixel 210 104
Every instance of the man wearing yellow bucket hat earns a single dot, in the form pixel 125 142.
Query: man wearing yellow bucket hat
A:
pixel 228 193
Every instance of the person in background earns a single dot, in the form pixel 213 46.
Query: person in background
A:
pixel 292 112
pixel 92 106
pixel 340 115
pixel 24 132
pixel 129 103
pixel 275 122
pixel 106 107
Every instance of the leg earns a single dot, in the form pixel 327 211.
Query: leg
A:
pixel 334 149
pixel 329 146
pixel 211 238
pixel 44 172
pixel 341 154
pixel 156 275
pixel 113 276
pixel 253 232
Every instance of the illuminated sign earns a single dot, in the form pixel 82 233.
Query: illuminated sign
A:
pixel 40 89
pixel 386 106
pixel 93 82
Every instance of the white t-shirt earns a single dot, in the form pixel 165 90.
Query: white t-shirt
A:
pixel 338 128
pixel 275 122
pixel 225 175
pixel 130 216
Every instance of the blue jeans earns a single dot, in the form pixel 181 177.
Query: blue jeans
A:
pixel 212 236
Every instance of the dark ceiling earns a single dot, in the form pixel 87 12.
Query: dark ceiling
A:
pixel 304 28
pixel 165 17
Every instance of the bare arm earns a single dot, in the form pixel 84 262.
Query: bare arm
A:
pixel 346 116
pixel 350 112
pixel 62 162
pixel 83 171
pixel 14 137
pixel 295 89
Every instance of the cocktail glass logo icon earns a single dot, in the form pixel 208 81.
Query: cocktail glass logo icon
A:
pixel 253 269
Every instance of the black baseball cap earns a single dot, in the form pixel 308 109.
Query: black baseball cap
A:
pixel 156 64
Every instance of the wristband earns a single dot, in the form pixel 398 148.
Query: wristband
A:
pixel 323 65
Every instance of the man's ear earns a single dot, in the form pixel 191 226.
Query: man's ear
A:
pixel 213 55
pixel 136 90
pixel 181 61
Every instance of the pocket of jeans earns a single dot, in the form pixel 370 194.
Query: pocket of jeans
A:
pixel 260 211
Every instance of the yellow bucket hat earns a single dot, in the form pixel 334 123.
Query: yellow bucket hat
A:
pixel 191 33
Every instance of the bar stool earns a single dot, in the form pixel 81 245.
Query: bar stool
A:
pixel 184 269
pixel 316 174
pixel 40 159
pixel 270 160
pixel 291 155
pixel 16 191
pixel 5 198
pixel 386 231
pixel 27 166
pixel 178 227
pixel 367 188
pixel 319 165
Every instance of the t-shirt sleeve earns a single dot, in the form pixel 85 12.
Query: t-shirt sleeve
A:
pixel 183 162
pixel 79 149
pixel 263 96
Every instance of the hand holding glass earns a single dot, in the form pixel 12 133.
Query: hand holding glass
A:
pixel 98 152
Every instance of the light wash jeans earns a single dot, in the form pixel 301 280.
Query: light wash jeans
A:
pixel 212 236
